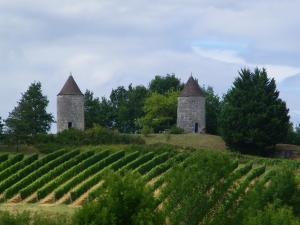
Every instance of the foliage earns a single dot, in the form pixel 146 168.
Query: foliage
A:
pixel 160 111
pixel 123 201
pixel 176 130
pixel 42 192
pixel 73 137
pixel 195 177
pixel 212 110
pixel 29 117
pixel 279 194
pixel 294 135
pixel 163 85
pixel 87 173
pixel 253 116
pixel 91 110
pixel 272 215
pixel 1 129
pixel 128 106
pixel 28 170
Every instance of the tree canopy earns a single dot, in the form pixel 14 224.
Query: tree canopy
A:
pixel 164 84
pixel 253 116
pixel 212 110
pixel 30 117
pixel 160 111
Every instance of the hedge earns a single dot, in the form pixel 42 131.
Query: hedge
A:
pixel 41 193
pixel 3 157
pixel 19 165
pixel 139 161
pixel 25 192
pixel 159 169
pixel 11 161
pixel 29 169
pixel 8 193
pixel 98 176
pixel 88 172
pixel 144 168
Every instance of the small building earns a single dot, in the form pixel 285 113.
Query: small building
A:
pixel 70 107
pixel 191 108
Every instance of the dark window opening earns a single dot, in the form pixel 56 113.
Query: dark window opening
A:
pixel 196 127
pixel 70 125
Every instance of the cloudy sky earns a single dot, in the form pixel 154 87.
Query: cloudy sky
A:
pixel 115 42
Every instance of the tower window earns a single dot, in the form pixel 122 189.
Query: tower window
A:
pixel 70 125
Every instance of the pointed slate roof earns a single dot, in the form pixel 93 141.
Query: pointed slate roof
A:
pixel 70 88
pixel 191 89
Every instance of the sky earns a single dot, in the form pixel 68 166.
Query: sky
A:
pixel 105 44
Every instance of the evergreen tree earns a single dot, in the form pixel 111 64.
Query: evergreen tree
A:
pixel 253 116
pixel 30 117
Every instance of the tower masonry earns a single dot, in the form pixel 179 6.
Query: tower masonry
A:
pixel 191 108
pixel 70 107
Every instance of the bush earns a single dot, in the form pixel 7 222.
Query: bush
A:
pixel 122 201
pixel 272 215
pixel 47 143
pixel 176 130
pixel 146 131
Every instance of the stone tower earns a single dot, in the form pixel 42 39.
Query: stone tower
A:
pixel 70 107
pixel 191 108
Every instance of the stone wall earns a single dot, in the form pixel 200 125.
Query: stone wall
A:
pixel 191 110
pixel 70 108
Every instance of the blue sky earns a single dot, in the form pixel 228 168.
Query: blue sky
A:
pixel 110 43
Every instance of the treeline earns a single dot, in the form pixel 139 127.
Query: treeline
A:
pixel 250 117
pixel 145 109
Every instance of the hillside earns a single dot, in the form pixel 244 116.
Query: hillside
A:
pixel 63 180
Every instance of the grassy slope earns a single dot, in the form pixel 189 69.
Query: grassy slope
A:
pixel 197 141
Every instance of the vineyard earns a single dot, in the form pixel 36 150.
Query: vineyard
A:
pixel 218 184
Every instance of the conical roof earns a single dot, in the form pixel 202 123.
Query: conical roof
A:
pixel 191 89
pixel 70 88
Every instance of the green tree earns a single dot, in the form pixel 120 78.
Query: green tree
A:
pixel 160 111
pixel 128 106
pixel 1 129
pixel 164 84
pixel 30 117
pixel 91 109
pixel 212 110
pixel 253 116
pixel 122 201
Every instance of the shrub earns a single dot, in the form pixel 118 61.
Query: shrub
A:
pixel 176 130
pixel 146 131
pixel 122 201
pixel 272 215
pixel 95 136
